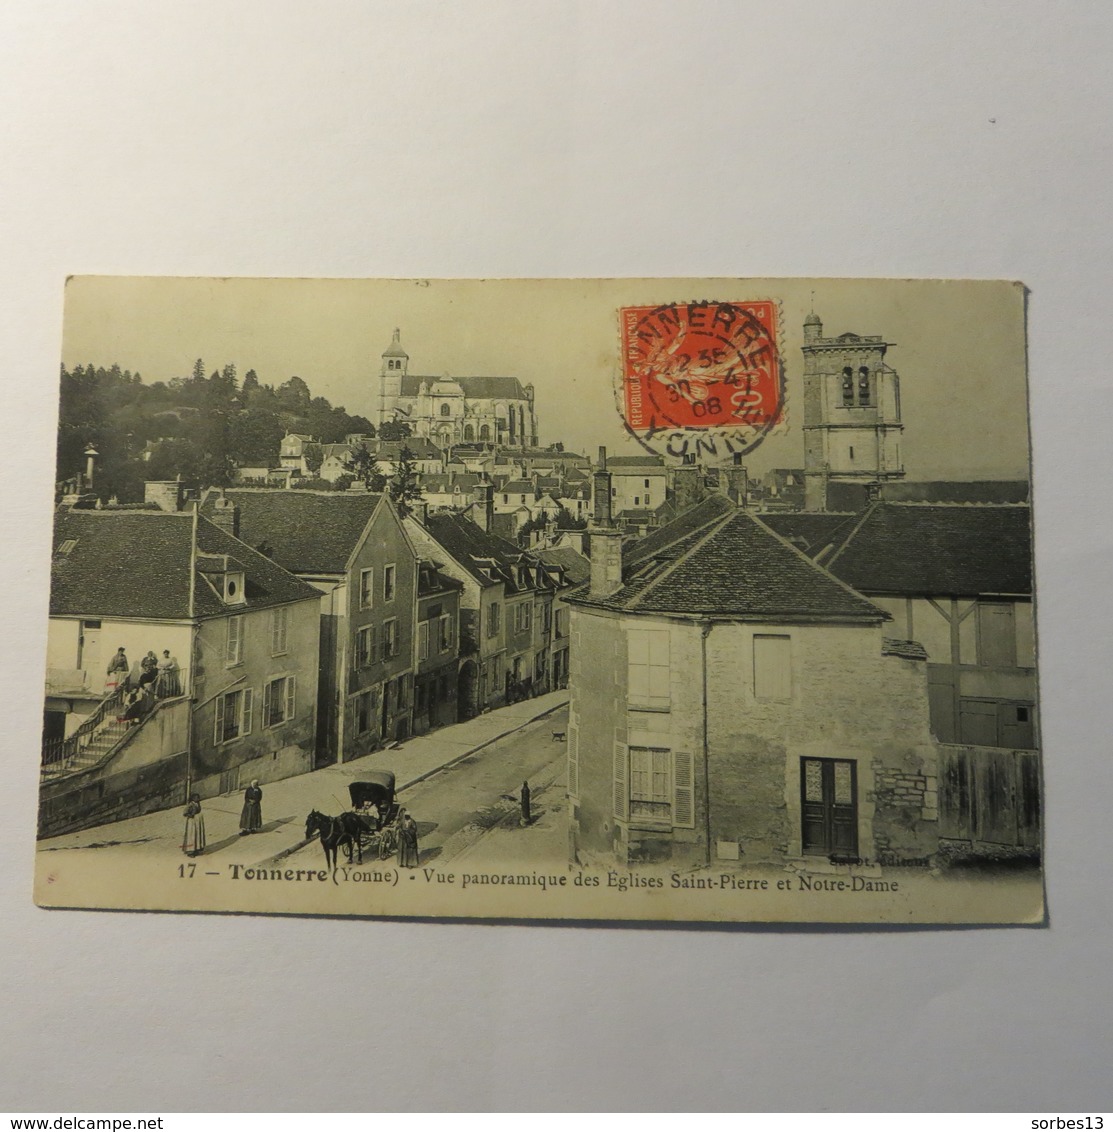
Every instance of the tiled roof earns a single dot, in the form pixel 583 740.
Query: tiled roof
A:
pixel 476 550
pixel 519 487
pixel 909 650
pixel 421 447
pixel 721 561
pixel 810 530
pixel 955 491
pixel 137 564
pixel 646 461
pixel 923 548
pixel 576 567
pixel 473 387
pixel 306 532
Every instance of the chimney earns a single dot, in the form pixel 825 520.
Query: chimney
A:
pixel 601 492
pixel 483 511
pixel 226 516
pixel 606 540
pixel 686 484
pixel 737 481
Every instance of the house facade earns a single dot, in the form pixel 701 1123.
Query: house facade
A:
pixel 734 702
pixel 239 701
pixel 351 547
pixel 436 660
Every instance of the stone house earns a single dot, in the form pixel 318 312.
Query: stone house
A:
pixel 437 648
pixel 243 631
pixel 353 549
pixel 733 701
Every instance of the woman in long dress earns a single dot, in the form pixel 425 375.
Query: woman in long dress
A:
pixel 193 839
pixel 251 817
pixel 117 671
pixel 408 853
pixel 168 683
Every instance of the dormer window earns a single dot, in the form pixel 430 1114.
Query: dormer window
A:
pixel 234 588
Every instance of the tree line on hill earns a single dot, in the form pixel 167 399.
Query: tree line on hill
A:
pixel 199 427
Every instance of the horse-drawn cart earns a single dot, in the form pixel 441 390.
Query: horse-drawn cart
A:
pixel 373 799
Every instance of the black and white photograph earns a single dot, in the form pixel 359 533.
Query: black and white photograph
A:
pixel 685 600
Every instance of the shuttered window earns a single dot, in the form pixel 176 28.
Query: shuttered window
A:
pixel 772 668
pixel 233 715
pixel 648 668
pixel 621 799
pixel 233 641
pixel 279 630
pixel 650 785
pixel 683 804
pixel 573 756
pixel 366 588
pixel 423 640
pixel 279 701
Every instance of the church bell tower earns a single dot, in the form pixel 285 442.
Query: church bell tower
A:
pixel 852 422
pixel 395 364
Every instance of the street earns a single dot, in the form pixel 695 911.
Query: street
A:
pixel 470 810
pixel 465 807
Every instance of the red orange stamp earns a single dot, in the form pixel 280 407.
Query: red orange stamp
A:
pixel 702 378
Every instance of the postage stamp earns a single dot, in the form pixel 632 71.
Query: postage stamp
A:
pixel 702 379
pixel 425 630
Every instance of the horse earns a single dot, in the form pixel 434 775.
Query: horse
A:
pixel 345 830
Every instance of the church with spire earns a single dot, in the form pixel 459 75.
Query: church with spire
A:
pixel 455 410
pixel 852 422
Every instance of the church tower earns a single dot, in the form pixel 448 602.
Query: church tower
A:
pixel 852 422
pixel 395 366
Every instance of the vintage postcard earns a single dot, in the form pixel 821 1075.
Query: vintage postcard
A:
pixel 643 599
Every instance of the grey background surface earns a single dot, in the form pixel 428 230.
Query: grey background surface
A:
pixel 502 139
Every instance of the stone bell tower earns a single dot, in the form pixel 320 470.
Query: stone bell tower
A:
pixel 395 364
pixel 852 422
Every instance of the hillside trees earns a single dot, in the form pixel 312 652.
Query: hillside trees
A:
pixel 195 426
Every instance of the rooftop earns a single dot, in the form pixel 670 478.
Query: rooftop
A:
pixel 304 532
pixel 938 548
pixel 137 564
pixel 718 560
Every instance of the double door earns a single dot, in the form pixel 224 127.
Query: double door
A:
pixel 829 806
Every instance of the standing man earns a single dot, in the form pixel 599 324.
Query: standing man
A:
pixel 525 804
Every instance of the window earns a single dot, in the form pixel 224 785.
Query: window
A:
pixel 233 642
pixel 852 452
pixel 647 483
pixel 523 617
pixel 505 498
pixel 493 620
pixel 423 640
pixel 445 630
pixel 365 646
pixel 445 410
pixel 637 500
pixel 648 668
pixel 280 623
pixel 233 715
pixel 863 386
pixel 647 501
pixel 364 712
pixel 561 618
pixel 772 668
pixel 388 583
pixel 366 588
pixel 650 786
pixel 390 643
pixel 546 618
pixel 278 701
pixel 848 388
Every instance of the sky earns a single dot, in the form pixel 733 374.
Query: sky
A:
pixel 958 347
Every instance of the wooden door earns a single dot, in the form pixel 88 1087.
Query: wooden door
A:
pixel 829 806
